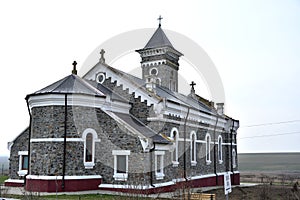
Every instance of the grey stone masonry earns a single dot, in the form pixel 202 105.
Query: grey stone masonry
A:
pixel 19 144
pixel 47 157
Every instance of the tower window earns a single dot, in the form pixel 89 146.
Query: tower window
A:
pixel 153 71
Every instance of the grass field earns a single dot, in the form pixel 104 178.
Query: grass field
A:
pixel 285 162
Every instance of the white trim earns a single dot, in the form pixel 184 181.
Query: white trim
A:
pixel 102 102
pixel 14 181
pixel 153 119
pixel 57 140
pixel 38 177
pixel 120 176
pixel 118 186
pixel 159 175
pixel 90 164
pixel 126 83
pixel 23 153
pixel 103 76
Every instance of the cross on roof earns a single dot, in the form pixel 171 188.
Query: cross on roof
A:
pixel 193 84
pixel 74 71
pixel 102 59
pixel 159 19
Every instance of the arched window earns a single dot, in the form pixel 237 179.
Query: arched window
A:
pixel 89 137
pixel 220 157
pixel 233 158
pixel 207 142
pixel 158 81
pixel 89 148
pixel 175 135
pixel 193 148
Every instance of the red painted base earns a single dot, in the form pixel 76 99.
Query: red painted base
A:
pixel 71 185
pixel 13 184
pixel 197 183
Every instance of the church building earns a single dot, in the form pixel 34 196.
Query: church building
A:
pixel 109 130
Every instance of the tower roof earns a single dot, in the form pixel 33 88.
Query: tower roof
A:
pixel 158 39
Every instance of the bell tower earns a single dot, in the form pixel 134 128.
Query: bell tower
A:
pixel 160 60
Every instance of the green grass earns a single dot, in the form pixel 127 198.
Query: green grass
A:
pixel 3 178
pixel 269 162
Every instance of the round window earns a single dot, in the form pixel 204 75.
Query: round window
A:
pixel 100 77
pixel 153 71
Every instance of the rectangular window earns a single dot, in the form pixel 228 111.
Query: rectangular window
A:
pixel 121 164
pixel 23 163
pixel 159 164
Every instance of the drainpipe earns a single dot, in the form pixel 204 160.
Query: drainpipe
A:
pixel 151 159
pixel 65 142
pixel 231 148
pixel 184 145
pixel 29 137
pixel 215 164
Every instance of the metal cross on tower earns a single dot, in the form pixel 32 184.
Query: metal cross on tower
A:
pixel 159 19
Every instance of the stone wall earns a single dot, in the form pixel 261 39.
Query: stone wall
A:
pixel 19 144
pixel 47 157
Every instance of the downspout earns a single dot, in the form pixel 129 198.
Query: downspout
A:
pixel 231 148
pixel 65 142
pixel 29 137
pixel 215 164
pixel 151 159
pixel 184 146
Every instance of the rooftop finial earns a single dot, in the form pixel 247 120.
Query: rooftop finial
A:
pixel 74 71
pixel 159 19
pixel 102 59
pixel 193 89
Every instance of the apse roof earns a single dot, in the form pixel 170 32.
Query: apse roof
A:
pixel 71 84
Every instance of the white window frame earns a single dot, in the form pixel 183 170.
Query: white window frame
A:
pixel 207 148
pixel 175 162
pixel 89 165
pixel 220 149
pixel 233 158
pixel 193 150
pixel 21 154
pixel 120 176
pixel 159 175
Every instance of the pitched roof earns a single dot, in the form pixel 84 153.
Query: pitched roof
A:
pixel 158 39
pixel 71 84
pixel 141 128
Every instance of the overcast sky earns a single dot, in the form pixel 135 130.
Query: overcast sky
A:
pixel 254 45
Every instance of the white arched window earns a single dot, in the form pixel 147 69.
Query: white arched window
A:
pixel 233 158
pixel 193 139
pixel 207 142
pixel 175 135
pixel 220 152
pixel 89 137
